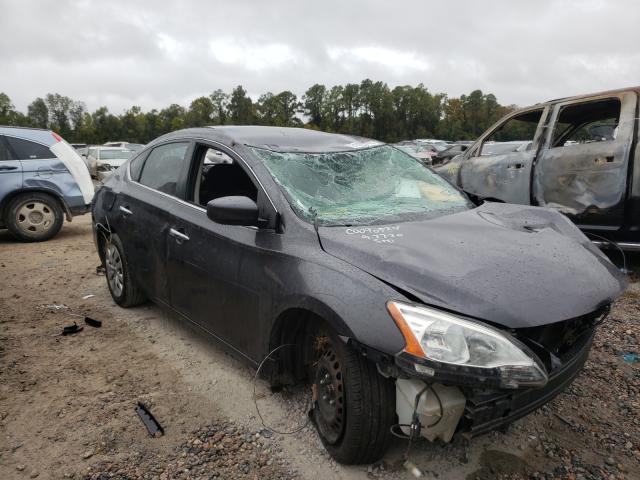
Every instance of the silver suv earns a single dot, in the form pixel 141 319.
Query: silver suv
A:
pixel 42 180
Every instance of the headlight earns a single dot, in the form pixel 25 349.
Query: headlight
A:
pixel 446 339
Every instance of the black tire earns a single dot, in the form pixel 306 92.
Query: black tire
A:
pixel 121 285
pixel 367 399
pixel 34 217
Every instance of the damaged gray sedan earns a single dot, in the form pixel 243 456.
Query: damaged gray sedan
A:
pixel 354 268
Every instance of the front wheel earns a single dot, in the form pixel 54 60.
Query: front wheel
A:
pixel 122 287
pixel 354 406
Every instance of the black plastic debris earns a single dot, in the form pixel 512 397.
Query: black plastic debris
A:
pixel 564 420
pixel 100 270
pixel 153 427
pixel 71 329
pixel 92 322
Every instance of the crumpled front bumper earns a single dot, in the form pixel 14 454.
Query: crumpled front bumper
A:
pixel 489 408
pixel 486 411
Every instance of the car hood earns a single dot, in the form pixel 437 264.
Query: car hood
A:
pixel 510 265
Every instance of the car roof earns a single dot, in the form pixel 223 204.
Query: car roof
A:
pixel 39 135
pixel 279 139
pixel 589 95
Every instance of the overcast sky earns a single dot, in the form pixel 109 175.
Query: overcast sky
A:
pixel 152 53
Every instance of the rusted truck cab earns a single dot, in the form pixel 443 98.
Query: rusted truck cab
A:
pixel 578 155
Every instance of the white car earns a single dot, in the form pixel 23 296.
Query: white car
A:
pixel 102 160
pixel 134 147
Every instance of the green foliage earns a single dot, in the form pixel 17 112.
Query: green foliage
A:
pixel 240 109
pixel 370 109
pixel 38 112
pixel 8 114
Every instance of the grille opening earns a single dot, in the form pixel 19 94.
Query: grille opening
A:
pixel 557 342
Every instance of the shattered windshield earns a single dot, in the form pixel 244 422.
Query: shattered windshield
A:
pixel 379 184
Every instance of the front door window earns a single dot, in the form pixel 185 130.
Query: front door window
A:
pixel 499 169
pixel 516 134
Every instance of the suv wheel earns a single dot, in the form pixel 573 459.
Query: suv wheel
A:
pixel 354 406
pixel 121 286
pixel 34 217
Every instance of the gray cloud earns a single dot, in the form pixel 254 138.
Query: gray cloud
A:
pixel 152 53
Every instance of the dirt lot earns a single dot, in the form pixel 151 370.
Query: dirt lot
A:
pixel 67 402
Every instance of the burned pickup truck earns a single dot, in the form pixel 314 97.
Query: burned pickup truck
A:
pixel 581 157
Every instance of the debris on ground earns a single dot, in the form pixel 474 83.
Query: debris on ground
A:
pixel 630 357
pixel 71 329
pixel 54 306
pixel 153 427
pixel 92 322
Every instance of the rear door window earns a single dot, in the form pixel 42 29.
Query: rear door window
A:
pixel 27 150
pixel 588 122
pixel 162 169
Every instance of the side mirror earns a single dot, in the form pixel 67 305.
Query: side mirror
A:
pixel 233 211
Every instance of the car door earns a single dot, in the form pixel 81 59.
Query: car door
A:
pixel 219 288
pixel 10 171
pixel 140 214
pixel 496 167
pixel 582 171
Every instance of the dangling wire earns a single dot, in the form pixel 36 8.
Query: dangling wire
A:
pixel 255 400
pixel 104 229
pixel 414 430
pixel 415 427
pixel 611 242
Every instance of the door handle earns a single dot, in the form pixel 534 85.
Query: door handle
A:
pixel 178 235
pixel 8 167
pixel 515 166
pixel 604 160
pixel 125 210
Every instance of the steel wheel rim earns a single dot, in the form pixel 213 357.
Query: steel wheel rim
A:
pixel 330 402
pixel 34 216
pixel 114 270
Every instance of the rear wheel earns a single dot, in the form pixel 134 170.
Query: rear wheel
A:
pixel 34 217
pixel 122 287
pixel 354 406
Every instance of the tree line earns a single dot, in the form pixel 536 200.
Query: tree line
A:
pixel 370 109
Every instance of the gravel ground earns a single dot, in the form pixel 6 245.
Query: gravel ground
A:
pixel 67 403
pixel 220 450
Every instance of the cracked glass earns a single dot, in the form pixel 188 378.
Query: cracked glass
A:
pixel 361 187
